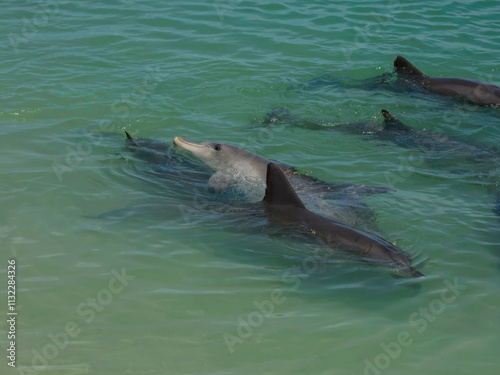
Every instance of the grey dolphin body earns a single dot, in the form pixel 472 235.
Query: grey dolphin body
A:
pixel 281 201
pixel 246 171
pixel 233 162
pixel 227 158
pixel 477 92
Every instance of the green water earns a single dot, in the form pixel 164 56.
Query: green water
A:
pixel 181 289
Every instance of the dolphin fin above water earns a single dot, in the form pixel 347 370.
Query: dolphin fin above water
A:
pixel 478 92
pixel 404 66
pixel 278 189
pixel 281 199
pixel 392 123
pixel 132 140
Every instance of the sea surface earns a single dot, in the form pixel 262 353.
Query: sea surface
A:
pixel 127 266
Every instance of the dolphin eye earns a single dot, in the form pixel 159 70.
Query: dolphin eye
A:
pixel 217 147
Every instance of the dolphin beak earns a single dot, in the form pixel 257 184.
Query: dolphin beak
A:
pixel 186 145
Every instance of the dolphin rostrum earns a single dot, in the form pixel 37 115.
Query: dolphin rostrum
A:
pixel 477 92
pixel 282 201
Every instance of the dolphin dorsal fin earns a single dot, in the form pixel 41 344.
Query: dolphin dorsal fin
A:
pixel 392 123
pixel 132 140
pixel 404 66
pixel 388 116
pixel 278 190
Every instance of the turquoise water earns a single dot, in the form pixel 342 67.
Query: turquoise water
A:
pixel 171 286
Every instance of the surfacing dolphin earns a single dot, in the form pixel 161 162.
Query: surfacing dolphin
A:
pixel 229 161
pixel 246 171
pixel 477 92
pixel 233 162
pixel 282 203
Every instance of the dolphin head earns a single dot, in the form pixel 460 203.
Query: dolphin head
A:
pixel 223 157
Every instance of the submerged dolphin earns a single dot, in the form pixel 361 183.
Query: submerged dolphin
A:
pixel 430 142
pixel 162 158
pixel 433 145
pixel 392 130
pixel 281 201
pixel 478 92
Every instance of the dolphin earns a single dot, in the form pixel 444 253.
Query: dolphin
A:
pixel 434 142
pixel 277 204
pixel 150 150
pixel 246 172
pixel 161 156
pixel 226 158
pixel 477 92
pixel 165 162
pixel 434 145
pixel 282 201
pixel 232 163
pixel 393 130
